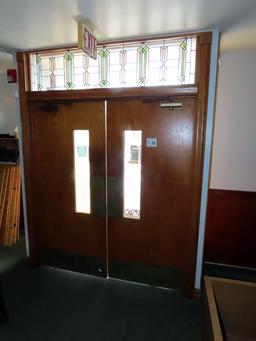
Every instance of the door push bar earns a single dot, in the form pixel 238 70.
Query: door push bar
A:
pixel 171 105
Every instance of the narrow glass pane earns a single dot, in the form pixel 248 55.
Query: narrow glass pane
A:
pixel 132 173
pixel 82 171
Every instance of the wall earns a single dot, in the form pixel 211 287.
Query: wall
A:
pixel 8 111
pixel 231 216
pixel 234 139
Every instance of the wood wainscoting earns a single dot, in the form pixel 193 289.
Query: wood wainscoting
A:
pixel 231 228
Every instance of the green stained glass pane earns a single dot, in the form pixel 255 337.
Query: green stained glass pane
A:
pixel 143 48
pixel 38 59
pixel 104 67
pixel 104 52
pixel 142 67
pixel 68 56
pixel 183 45
pixel 69 70
pixel 182 61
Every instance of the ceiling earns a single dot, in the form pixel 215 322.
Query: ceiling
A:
pixel 30 24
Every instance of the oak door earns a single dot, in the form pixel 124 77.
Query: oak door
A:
pixel 68 156
pixel 151 238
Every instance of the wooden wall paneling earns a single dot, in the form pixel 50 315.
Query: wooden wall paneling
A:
pixel 3 202
pixel 8 204
pixel 10 193
pixel 11 237
pixel 9 201
pixel 17 208
pixel 231 228
pixel 5 210
pixel 14 203
pixel 3 175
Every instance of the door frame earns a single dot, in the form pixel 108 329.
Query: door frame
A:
pixel 199 91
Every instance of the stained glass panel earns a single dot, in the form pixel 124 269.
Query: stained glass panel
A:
pixel 147 63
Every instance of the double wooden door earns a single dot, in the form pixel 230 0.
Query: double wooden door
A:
pixel 141 222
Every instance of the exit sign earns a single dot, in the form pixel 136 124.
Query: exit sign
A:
pixel 87 41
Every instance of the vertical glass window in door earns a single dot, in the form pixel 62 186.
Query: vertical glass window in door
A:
pixel 82 171
pixel 132 173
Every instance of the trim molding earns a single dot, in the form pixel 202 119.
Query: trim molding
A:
pixel 207 154
pixel 114 93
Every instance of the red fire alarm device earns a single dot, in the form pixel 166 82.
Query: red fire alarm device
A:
pixel 12 76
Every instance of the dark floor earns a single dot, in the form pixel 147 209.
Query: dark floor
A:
pixel 12 256
pixel 51 304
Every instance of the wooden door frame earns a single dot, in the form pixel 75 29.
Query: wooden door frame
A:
pixel 199 91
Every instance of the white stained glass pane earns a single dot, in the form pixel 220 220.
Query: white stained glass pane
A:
pixel 79 81
pixel 132 173
pixel 154 77
pixel 131 78
pixel 192 78
pixel 173 52
pixel 46 73
pixel 78 61
pixel 59 72
pixel 46 82
pixel 131 56
pixel 94 79
pixel 78 70
pixel 115 79
pixel 59 81
pixel 59 63
pixel 114 57
pixel 154 54
pixel 45 63
pixel 82 171
pixel 193 62
pixel 172 63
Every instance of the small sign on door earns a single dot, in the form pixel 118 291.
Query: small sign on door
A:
pixel 151 142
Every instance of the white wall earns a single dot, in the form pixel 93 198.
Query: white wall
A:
pixel 234 140
pixel 8 111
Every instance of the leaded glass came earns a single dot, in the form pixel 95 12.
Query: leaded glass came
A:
pixel 146 63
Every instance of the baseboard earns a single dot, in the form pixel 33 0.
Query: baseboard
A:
pixel 161 277
pixel 229 271
pixel 74 262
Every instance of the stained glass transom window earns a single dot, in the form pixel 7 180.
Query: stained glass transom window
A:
pixel 147 63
